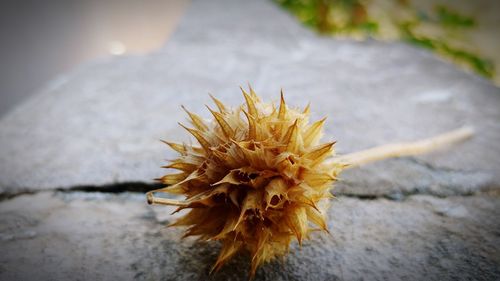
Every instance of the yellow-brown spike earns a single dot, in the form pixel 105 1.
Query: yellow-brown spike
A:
pixel 196 120
pixel 252 128
pixel 226 129
pixel 219 104
pixel 252 110
pixel 282 111
pixel 199 137
pixel 175 146
pixel 307 109
pixel 252 93
pixel 313 133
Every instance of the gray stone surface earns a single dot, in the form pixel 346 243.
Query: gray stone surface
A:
pixel 89 236
pixel 431 217
pixel 101 123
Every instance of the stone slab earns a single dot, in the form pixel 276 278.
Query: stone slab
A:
pixel 95 236
pixel 101 123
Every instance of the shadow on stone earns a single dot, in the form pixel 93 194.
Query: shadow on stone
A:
pixel 201 256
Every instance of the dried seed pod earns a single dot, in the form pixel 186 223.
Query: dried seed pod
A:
pixel 260 177
pixel 257 180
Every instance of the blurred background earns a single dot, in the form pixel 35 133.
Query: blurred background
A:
pixel 464 32
pixel 42 39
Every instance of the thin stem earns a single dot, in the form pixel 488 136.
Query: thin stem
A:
pixel 164 201
pixel 404 148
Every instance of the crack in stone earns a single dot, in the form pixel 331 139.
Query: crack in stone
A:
pixel 142 188
pixel 404 195
pixel 398 195
pixel 139 187
pixel 422 178
pixel 8 195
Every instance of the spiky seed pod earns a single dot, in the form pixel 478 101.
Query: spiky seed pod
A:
pixel 257 180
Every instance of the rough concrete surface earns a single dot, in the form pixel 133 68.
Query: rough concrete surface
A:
pixel 91 236
pixel 431 217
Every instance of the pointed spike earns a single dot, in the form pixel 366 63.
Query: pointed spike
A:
pixel 298 224
pixel 196 174
pixel 228 226
pixel 319 152
pixel 227 251
pixel 318 179
pixel 252 110
pixel 221 156
pixel 176 146
pixel 173 178
pixel 252 128
pixel 226 129
pixel 260 244
pixel 232 178
pixel 253 270
pixel 313 132
pixel 295 141
pixel 240 218
pixel 307 109
pixel 181 166
pixel 199 137
pixel 219 104
pixel 251 201
pixel 289 132
pixel 243 91
pixel 196 120
pixel 317 218
pixel 282 111
pixel 252 92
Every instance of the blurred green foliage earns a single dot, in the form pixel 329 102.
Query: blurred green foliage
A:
pixel 452 18
pixel 317 14
pixel 439 29
pixel 479 65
